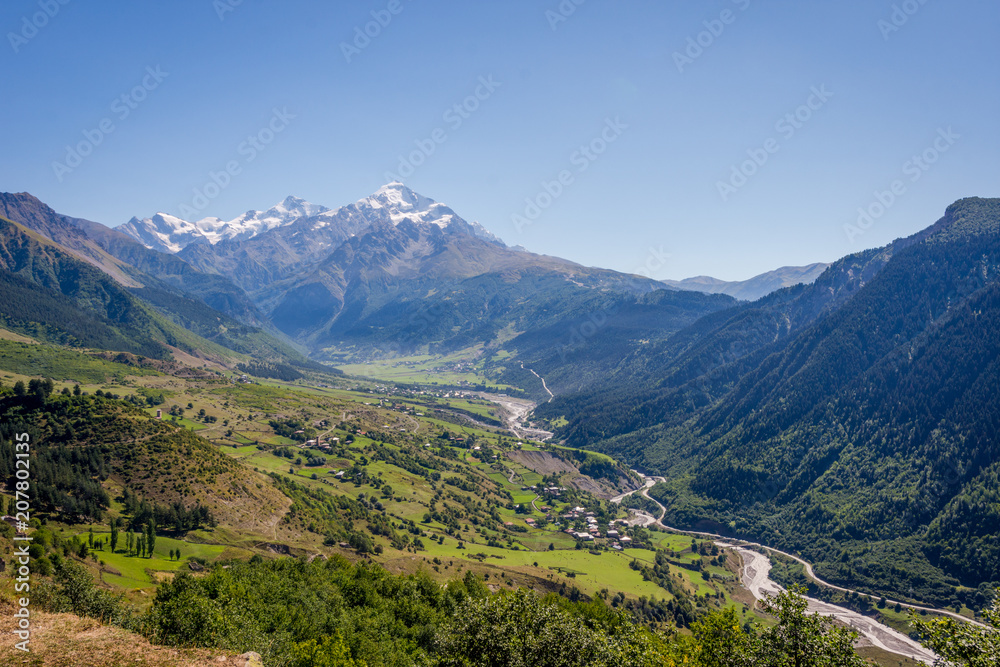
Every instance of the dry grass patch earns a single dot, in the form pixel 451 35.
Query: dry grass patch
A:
pixel 65 640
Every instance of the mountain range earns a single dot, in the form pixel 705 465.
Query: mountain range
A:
pixel 398 272
pixel 849 416
pixel 393 273
pixel 394 201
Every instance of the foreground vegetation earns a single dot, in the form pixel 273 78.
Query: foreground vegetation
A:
pixel 299 614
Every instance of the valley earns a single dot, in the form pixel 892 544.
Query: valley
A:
pixel 422 467
pixel 755 568
pixel 500 335
pixel 416 459
pixel 463 428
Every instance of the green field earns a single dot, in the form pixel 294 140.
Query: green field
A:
pixel 133 572
pixel 61 364
pixel 446 370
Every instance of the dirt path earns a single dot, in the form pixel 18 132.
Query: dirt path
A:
pixel 544 386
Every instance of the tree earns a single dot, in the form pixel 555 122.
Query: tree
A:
pixel 151 537
pixel 718 640
pixel 114 534
pixel 20 389
pixel 518 628
pixel 803 640
pixel 40 389
pixel 328 652
pixel 960 643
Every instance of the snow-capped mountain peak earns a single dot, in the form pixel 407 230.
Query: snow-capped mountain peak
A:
pixel 401 203
pixel 168 233
pixel 395 201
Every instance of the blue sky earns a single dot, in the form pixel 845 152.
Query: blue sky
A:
pixel 664 120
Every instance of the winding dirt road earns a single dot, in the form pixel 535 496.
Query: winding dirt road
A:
pixel 544 386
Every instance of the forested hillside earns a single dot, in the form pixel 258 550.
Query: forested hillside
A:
pixel 123 257
pixel 861 432
pixel 209 306
pixel 51 295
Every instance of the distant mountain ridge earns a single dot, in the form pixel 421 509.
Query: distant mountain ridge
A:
pixel 168 233
pixel 164 294
pixel 361 280
pixel 756 287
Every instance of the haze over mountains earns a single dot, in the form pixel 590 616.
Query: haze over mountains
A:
pixel 756 287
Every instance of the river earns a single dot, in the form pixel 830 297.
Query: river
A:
pixel 756 579
pixel 514 410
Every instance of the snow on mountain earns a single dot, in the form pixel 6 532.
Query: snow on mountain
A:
pixel 163 232
pixel 253 223
pixel 402 203
pixel 168 233
pixel 171 234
